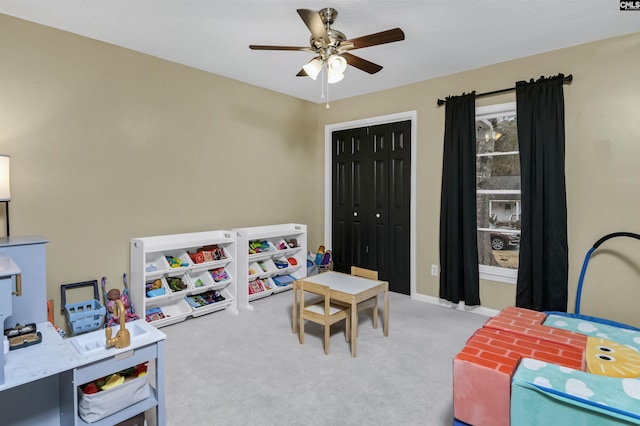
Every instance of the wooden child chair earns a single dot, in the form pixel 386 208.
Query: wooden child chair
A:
pixel 322 312
pixel 369 303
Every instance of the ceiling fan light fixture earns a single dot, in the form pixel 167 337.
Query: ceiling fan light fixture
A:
pixel 313 68
pixel 337 63
pixel 334 76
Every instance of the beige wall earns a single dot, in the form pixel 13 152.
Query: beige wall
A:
pixel 109 144
pixel 602 114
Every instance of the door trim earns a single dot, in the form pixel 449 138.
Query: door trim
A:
pixel 383 119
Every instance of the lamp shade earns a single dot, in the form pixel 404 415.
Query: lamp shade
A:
pixel 5 186
pixel 337 63
pixel 334 76
pixel 313 68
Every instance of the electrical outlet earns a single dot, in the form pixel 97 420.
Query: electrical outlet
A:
pixel 434 270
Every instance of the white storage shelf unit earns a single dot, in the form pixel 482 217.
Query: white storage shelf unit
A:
pixel 268 258
pixel 180 275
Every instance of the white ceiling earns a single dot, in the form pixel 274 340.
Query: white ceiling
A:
pixel 442 36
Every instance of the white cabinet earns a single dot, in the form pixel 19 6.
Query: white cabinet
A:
pixel 176 276
pixel 269 259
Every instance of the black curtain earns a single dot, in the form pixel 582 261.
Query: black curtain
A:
pixel 544 264
pixel 459 277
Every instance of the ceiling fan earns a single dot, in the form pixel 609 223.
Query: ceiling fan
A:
pixel 331 46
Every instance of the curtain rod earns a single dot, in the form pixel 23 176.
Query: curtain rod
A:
pixel 567 79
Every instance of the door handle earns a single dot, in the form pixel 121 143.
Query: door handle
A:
pixel 378 215
pixel 18 291
pixel 355 213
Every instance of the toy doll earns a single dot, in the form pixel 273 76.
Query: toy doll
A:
pixel 113 295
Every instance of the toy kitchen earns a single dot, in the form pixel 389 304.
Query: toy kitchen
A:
pixel 42 374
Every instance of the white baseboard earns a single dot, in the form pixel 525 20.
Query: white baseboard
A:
pixel 480 310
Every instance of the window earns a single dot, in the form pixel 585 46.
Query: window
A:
pixel 498 192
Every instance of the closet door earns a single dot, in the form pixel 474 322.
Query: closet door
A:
pixel 351 195
pixel 371 201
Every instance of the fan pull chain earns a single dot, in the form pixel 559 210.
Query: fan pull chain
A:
pixel 322 85
pixel 327 84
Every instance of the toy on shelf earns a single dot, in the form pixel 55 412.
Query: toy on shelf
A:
pixel 154 314
pixel 281 264
pixel 155 288
pixel 204 299
pixel 110 298
pixel 283 280
pixel 209 253
pixel 259 246
pixel 257 286
pixel 176 284
pixel 219 275
pixel 176 262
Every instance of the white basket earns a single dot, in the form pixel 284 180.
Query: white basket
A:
pixel 97 406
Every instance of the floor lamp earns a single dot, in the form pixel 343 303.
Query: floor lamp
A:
pixel 5 186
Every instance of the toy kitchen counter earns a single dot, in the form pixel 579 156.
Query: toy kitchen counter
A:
pixel 42 380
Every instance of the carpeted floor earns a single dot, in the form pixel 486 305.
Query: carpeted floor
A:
pixel 249 369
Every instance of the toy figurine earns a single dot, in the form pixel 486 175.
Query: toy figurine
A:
pixel 113 295
pixel 320 255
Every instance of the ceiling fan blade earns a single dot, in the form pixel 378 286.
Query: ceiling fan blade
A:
pixel 302 73
pixel 261 47
pixel 388 36
pixel 362 64
pixel 313 21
